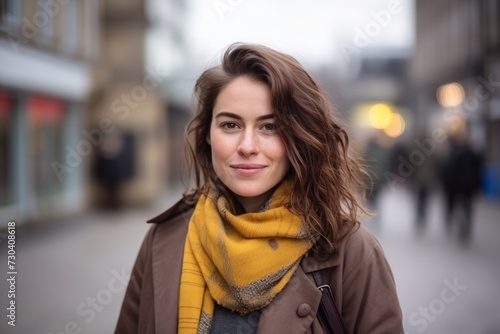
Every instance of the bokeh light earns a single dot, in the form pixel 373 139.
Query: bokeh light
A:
pixel 396 126
pixel 450 95
pixel 380 115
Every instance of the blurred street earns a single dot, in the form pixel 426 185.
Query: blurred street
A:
pixel 72 275
pixel 80 294
pixel 426 264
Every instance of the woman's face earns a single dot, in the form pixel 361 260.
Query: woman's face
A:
pixel 248 155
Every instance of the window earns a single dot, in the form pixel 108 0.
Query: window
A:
pixel 91 28
pixel 10 13
pixel 6 150
pixel 71 26
pixel 43 19
pixel 45 124
pixel 493 25
pixel 2 11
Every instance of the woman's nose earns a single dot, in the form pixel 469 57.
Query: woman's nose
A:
pixel 248 144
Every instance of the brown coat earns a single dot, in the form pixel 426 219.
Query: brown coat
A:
pixel 359 276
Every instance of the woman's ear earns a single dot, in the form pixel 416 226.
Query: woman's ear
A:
pixel 208 139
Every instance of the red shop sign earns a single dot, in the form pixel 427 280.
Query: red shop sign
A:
pixel 41 108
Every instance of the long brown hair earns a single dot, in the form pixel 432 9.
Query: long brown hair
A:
pixel 327 180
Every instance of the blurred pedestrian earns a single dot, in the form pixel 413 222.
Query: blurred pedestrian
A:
pixel 461 177
pixel 270 231
pixel 108 169
pixel 114 165
pixel 424 178
pixel 378 158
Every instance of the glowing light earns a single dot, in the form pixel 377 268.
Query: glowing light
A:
pixel 380 115
pixel 450 95
pixel 360 114
pixel 396 126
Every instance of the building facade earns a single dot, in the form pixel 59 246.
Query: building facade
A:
pixel 47 51
pixel 141 44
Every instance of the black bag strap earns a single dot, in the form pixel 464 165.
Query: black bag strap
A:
pixel 328 314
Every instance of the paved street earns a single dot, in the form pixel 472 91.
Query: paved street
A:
pixel 71 275
pixel 443 287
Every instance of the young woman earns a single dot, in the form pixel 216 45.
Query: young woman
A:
pixel 275 200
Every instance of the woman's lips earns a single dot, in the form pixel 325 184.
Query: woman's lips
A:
pixel 247 169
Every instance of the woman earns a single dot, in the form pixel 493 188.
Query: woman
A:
pixel 274 201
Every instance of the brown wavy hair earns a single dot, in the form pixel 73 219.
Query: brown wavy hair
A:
pixel 326 178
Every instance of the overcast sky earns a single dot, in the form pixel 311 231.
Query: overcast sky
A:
pixel 313 31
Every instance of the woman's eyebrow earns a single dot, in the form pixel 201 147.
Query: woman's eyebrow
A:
pixel 236 116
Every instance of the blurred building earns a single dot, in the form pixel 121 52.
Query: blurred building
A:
pixel 458 43
pixel 379 96
pixel 47 49
pixel 167 48
pixel 141 43
pixel 381 75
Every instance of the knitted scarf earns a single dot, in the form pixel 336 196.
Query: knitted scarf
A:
pixel 238 261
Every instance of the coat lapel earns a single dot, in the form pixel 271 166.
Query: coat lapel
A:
pixel 167 254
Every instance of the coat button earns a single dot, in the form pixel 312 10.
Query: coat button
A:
pixel 303 310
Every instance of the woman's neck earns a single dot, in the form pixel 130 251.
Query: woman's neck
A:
pixel 255 204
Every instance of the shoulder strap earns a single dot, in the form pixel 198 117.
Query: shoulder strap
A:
pixel 328 314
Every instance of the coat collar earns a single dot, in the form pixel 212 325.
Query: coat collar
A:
pixel 315 262
pixel 181 207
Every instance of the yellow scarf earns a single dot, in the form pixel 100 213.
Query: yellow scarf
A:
pixel 241 262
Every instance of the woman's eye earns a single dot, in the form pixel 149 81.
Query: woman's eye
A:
pixel 269 127
pixel 228 126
